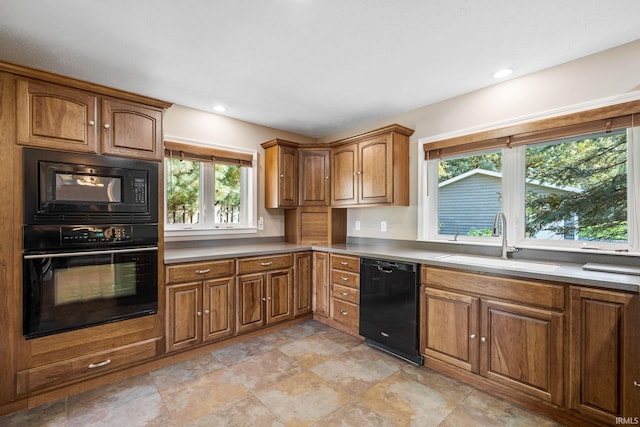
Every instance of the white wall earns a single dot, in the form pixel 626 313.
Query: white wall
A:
pixel 607 74
pixel 187 123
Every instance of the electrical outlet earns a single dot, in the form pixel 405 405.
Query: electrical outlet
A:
pixel 383 225
pixel 260 223
pixel 357 226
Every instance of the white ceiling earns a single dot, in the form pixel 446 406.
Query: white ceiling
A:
pixel 313 67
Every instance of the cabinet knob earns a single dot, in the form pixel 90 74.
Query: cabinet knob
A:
pixel 264 299
pixel 206 312
pixel 483 339
pixel 326 285
pixel 91 123
pixel 107 125
pixel 268 298
pixel 637 384
pixel 281 176
pixel 473 336
pixel 326 177
pixel 199 314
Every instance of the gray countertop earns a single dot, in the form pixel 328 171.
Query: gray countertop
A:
pixel 542 270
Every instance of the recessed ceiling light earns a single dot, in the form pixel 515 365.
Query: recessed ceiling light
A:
pixel 502 73
pixel 220 108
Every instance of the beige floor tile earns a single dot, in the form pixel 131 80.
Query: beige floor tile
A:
pixel 52 414
pixel 191 400
pixel 302 399
pixel 262 371
pixel 249 412
pixel 185 371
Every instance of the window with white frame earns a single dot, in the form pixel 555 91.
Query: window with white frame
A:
pixel 570 187
pixel 209 189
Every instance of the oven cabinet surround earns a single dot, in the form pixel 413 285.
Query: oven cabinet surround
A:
pixel 281 174
pixel 60 117
pixel 371 169
pixel 264 291
pixel 344 308
pixel 604 377
pixel 200 303
pixel 57 360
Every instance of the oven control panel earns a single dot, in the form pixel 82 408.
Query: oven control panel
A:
pixel 91 234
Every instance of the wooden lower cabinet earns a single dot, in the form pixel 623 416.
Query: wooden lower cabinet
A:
pixel 303 283
pixel 604 376
pixel 264 295
pixel 199 312
pixel 321 284
pixel 200 298
pixel 517 344
pixel 345 292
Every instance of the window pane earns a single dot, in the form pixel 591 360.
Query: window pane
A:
pixel 469 194
pixel 227 198
pixel 576 189
pixel 183 191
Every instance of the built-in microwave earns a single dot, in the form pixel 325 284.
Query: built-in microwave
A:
pixel 72 188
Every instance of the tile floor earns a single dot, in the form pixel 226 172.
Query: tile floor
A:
pixel 305 374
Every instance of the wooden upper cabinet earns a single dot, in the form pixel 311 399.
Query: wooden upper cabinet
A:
pixel 344 179
pixel 54 116
pixel 131 130
pixel 281 174
pixel 315 176
pixel 372 168
pixel 65 118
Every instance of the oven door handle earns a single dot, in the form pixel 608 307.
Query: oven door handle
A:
pixel 72 254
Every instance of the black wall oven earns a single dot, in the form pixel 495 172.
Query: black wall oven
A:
pixel 90 241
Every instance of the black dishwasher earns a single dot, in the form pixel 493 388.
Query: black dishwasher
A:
pixel 389 307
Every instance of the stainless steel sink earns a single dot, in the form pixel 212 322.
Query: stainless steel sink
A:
pixel 507 264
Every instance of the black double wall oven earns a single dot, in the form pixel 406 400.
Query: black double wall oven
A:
pixel 90 240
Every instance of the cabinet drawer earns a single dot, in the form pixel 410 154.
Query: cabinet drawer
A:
pixel 345 278
pixel 347 263
pixel 344 293
pixel 260 264
pixel 93 364
pixel 345 312
pixel 199 271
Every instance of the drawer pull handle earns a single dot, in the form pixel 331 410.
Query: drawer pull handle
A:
pixel 344 293
pixel 344 313
pixel 99 364
pixel 344 278
pixel 266 264
pixel 344 263
pixel 205 271
pixel 384 334
pixel 636 384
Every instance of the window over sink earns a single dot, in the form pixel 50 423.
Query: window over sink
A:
pixel 561 186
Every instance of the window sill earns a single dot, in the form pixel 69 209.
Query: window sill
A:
pixel 176 235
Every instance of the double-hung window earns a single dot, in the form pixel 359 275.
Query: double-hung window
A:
pixel 208 189
pixel 560 185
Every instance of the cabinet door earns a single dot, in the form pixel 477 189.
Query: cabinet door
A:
pixel 131 130
pixel 184 316
pixel 250 313
pixel 321 283
pixel 449 327
pixel 315 172
pixel 302 286
pixel 279 296
pixel 288 177
pixel 344 176
pixel 218 319
pixel 522 347
pixel 53 116
pixel 376 171
pixel 604 368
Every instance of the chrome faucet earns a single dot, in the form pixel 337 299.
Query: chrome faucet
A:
pixel 501 217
